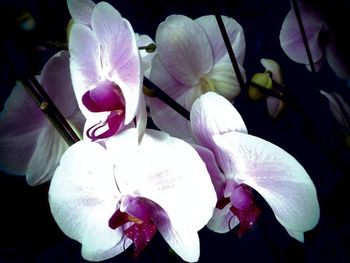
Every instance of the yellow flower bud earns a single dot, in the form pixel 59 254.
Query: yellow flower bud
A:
pixel 263 80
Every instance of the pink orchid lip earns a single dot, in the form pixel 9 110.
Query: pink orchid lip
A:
pixel 242 206
pixel 142 230
pixel 106 96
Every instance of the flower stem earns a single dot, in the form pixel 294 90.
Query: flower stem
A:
pixel 157 92
pixel 303 34
pixel 230 51
pixel 46 105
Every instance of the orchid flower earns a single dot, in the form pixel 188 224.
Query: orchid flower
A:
pixel 29 143
pixel 107 198
pixel 272 72
pixel 81 11
pixel 192 59
pixel 106 69
pixel 241 162
pixel 341 112
pixel 321 40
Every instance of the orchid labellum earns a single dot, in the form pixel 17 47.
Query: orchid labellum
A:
pixel 29 143
pixel 192 59
pixel 106 69
pixel 108 197
pixel 239 162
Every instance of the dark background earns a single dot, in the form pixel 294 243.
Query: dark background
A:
pixel 28 232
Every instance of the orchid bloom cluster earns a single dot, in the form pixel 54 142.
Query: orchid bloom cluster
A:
pixel 123 182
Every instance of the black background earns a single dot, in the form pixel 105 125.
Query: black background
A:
pixel 28 232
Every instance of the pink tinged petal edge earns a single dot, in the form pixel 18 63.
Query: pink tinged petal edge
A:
pixel 120 57
pixel 85 71
pixel 81 10
pixel 184 49
pixel 83 196
pixel 291 39
pixel 277 176
pixel 213 114
pixel 235 33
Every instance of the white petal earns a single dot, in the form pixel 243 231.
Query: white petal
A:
pixel 184 49
pixel 49 148
pixel 20 124
pixel 223 220
pixel 120 57
pixel 169 172
pixel 165 118
pixel 226 83
pixel 84 62
pixel 81 10
pixel 235 34
pixel 212 114
pixel 276 175
pixel 83 196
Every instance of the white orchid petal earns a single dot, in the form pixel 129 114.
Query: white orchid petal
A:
pixel 235 34
pixel 179 38
pixel 166 170
pixel 226 83
pixel 120 57
pixel 213 114
pixel 276 175
pixel 49 148
pixel 81 10
pixel 223 220
pixel 83 196
pixel 84 63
